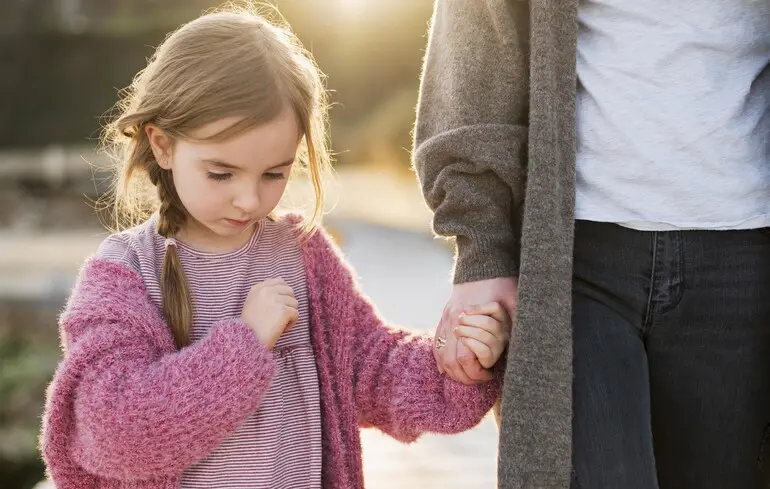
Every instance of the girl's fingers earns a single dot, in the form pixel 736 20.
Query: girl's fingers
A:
pixel 273 281
pixel 293 314
pixel 494 309
pixel 479 321
pixel 485 323
pixel 283 290
pixel 483 353
pixel 477 334
pixel 494 345
pixel 289 300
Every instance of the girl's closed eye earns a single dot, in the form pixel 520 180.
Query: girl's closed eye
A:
pixel 274 176
pixel 218 176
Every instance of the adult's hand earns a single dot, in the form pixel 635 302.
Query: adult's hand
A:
pixel 454 358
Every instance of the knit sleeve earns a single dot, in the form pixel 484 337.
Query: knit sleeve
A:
pixel 397 386
pixel 471 131
pixel 124 403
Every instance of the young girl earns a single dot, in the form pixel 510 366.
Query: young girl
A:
pixel 214 344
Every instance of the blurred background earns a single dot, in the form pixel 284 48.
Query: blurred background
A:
pixel 62 64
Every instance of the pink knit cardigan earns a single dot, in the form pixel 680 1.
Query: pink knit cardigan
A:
pixel 126 409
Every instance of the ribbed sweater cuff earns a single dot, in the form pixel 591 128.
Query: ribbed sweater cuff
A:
pixel 477 259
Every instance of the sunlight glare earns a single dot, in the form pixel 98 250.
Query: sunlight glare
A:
pixel 352 6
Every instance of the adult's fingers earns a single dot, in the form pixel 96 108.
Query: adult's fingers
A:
pixel 451 362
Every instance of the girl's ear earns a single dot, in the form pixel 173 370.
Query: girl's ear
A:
pixel 161 145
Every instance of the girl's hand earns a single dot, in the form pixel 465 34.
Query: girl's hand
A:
pixel 269 309
pixel 486 330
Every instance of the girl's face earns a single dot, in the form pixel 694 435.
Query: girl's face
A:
pixel 227 187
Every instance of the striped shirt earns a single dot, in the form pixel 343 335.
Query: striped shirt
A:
pixel 279 445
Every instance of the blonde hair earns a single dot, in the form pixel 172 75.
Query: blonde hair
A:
pixel 230 62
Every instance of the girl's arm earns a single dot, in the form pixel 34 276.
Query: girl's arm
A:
pixel 136 408
pixel 398 387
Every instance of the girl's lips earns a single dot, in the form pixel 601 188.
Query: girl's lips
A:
pixel 235 222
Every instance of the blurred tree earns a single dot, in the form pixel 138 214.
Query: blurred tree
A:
pixel 19 18
pixel 64 73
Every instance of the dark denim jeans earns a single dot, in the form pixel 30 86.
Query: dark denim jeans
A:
pixel 672 358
